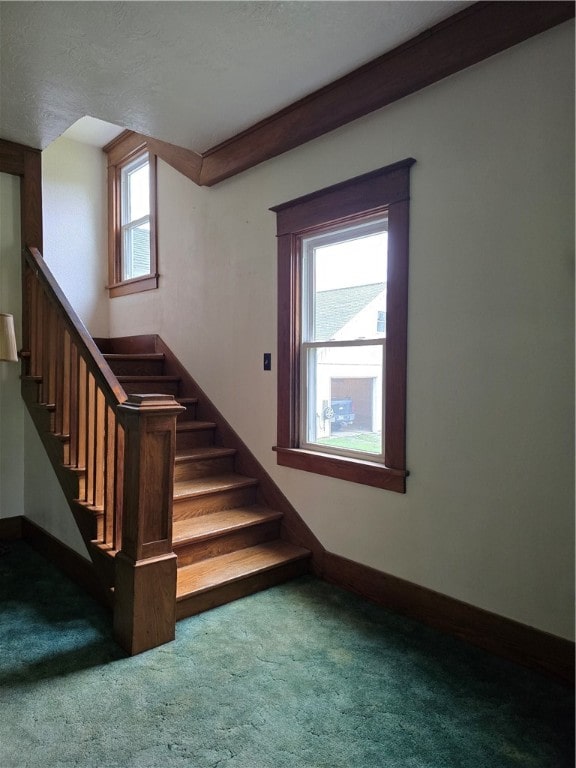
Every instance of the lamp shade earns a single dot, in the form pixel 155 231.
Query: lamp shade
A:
pixel 8 349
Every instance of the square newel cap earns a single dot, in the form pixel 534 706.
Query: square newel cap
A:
pixel 151 402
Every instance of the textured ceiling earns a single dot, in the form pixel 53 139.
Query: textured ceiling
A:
pixel 190 73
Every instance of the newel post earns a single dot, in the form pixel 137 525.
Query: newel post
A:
pixel 145 583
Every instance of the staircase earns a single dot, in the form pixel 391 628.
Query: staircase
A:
pixel 176 514
pixel 228 543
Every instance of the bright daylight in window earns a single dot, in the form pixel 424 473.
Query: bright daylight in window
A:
pixel 135 185
pixel 344 273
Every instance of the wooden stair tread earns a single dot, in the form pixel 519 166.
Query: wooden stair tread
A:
pixel 187 400
pixel 225 521
pixel 217 571
pixel 202 486
pixel 199 454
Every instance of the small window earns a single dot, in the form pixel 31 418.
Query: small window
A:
pixel 132 207
pixel 342 329
pixel 135 213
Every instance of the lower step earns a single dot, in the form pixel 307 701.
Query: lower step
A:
pixel 218 533
pixel 220 580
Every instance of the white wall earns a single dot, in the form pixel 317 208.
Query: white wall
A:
pixel 44 500
pixel 11 405
pixel 488 515
pixel 75 245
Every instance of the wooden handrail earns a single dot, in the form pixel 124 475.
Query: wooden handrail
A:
pixel 120 451
pixel 97 365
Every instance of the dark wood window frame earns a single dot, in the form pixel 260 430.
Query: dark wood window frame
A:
pixel 384 190
pixel 121 151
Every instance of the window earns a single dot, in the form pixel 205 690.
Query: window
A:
pixel 135 218
pixel 342 329
pixel 343 283
pixel 132 209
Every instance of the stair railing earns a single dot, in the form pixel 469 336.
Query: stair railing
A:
pixel 121 449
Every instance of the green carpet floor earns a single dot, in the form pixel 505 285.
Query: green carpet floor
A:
pixel 300 676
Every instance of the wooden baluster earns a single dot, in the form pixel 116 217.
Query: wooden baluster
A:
pixel 91 440
pixel 47 344
pixel 49 353
pixel 27 285
pixel 65 422
pixel 52 357
pixel 59 374
pixel 82 436
pixel 37 327
pixel 40 336
pixel 32 321
pixel 99 448
pixel 109 475
pixel 119 484
pixel 74 404
pixel 145 586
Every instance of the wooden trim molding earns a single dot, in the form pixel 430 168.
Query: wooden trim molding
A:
pixel 386 190
pixel 26 162
pixel 119 152
pixel 186 161
pixel 465 38
pixel 10 528
pixel 496 634
pixel 129 144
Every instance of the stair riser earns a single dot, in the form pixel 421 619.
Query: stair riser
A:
pixel 198 438
pixel 213 502
pixel 137 367
pixel 190 413
pixel 193 552
pixel 151 387
pixel 190 470
pixel 190 606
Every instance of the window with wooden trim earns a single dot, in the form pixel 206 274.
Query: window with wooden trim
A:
pixel 342 329
pixel 132 259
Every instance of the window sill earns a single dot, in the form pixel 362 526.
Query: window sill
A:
pixel 138 284
pixel 345 468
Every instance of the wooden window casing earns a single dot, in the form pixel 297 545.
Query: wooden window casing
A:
pixel 121 151
pixel 384 190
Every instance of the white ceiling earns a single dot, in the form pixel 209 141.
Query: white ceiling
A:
pixel 190 73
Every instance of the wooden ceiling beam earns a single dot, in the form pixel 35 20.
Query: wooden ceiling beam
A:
pixel 464 39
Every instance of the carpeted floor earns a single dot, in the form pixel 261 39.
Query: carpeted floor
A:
pixel 301 676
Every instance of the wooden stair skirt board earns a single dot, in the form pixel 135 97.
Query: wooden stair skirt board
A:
pixel 229 534
pixel 509 639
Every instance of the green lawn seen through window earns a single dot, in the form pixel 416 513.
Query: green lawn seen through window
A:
pixel 368 442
